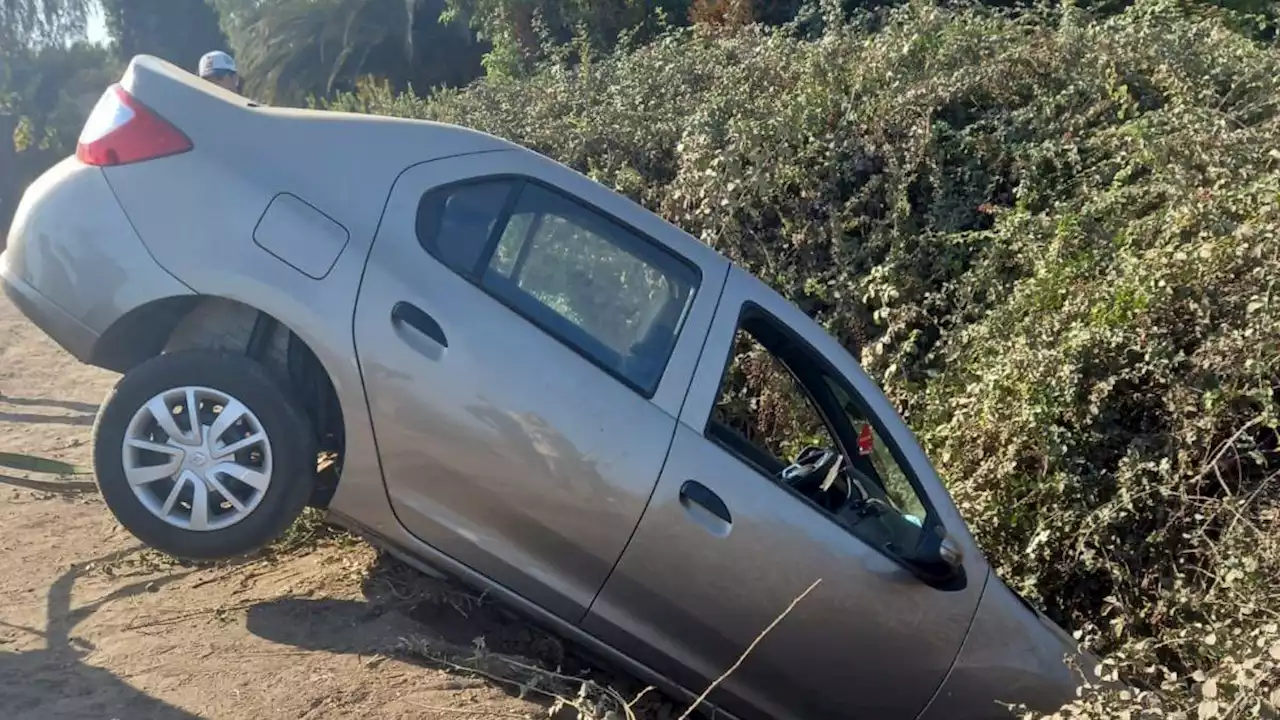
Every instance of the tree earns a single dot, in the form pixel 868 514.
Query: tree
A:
pixel 179 31
pixel 518 30
pixel 45 95
pixel 28 23
pixel 39 91
pixel 294 48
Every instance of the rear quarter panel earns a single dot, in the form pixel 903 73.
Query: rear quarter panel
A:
pixel 71 242
pixel 197 214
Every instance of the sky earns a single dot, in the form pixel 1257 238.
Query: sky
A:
pixel 97 28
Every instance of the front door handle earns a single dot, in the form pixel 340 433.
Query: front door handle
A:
pixel 695 493
pixel 416 318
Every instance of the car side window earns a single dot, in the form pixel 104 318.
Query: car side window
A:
pixel 871 445
pixel 781 410
pixel 455 223
pixel 762 411
pixel 595 285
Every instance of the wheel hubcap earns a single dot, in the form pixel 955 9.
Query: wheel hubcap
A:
pixel 197 458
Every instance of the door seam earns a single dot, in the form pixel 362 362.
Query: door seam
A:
pixel 355 343
pixel 675 428
pixel 986 581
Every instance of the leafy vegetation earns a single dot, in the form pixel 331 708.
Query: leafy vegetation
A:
pixel 27 23
pixel 519 31
pixel 293 49
pixel 46 93
pixel 179 31
pixel 1051 239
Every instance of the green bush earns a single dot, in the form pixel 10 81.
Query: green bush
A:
pixel 1052 240
pixel 45 96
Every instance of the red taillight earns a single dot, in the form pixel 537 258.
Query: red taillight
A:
pixel 121 130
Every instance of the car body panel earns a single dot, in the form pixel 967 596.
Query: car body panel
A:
pixel 551 468
pixel 506 449
pixel 688 603
pixel 1012 655
pixel 74 258
pixel 301 236
pixel 197 213
pixel 668 602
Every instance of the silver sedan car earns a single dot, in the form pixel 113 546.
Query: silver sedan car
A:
pixel 498 369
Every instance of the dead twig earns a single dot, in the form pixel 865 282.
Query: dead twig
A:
pixel 223 575
pixel 640 696
pixel 748 651
pixel 190 615
pixel 1211 463
pixel 22 628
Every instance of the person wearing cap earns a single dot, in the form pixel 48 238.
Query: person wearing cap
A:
pixel 219 68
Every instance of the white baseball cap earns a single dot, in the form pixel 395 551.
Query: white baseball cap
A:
pixel 216 61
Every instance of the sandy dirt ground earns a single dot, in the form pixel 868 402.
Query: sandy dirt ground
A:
pixel 92 625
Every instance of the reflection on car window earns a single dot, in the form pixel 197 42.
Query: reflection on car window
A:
pixel 455 224
pixel 513 237
pixel 593 283
pixel 590 282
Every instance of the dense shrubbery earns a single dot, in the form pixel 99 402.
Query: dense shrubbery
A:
pixel 1054 243
pixel 45 96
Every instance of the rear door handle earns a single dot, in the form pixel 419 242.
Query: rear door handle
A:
pixel 695 493
pixel 416 318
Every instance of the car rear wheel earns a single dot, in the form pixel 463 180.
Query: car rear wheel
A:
pixel 199 454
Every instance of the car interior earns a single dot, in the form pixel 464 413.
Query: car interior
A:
pixel 840 482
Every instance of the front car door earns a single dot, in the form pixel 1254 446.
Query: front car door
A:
pixel 727 544
pixel 526 338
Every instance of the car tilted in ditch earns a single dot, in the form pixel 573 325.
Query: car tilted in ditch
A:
pixel 501 370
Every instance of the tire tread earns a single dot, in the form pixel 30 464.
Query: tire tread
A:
pixel 292 443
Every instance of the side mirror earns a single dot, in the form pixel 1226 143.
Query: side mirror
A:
pixel 950 553
pixel 939 560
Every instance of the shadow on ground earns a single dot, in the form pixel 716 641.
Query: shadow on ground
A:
pixel 444 627
pixel 80 407
pixel 59 487
pixel 55 682
pixel 42 419
pixel 83 417
pixel 409 616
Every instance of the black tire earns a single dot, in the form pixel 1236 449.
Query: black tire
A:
pixel 292 445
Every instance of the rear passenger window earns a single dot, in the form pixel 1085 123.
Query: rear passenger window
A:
pixel 455 224
pixel 595 285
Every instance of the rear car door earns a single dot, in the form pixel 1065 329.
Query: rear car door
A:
pixel 727 543
pixel 525 350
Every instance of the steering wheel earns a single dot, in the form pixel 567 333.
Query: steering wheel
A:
pixel 809 461
pixel 819 474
